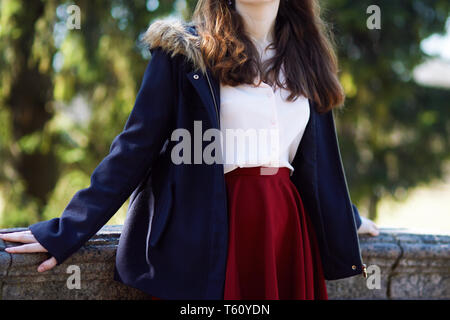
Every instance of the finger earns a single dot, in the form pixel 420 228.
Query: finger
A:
pixel 47 265
pixel 8 234
pixel 24 237
pixel 26 248
pixel 24 231
pixel 374 231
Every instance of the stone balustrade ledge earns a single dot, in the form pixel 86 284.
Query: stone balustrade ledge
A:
pixel 411 265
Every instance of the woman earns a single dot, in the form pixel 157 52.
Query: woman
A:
pixel 272 222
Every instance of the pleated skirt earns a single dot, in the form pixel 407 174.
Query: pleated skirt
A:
pixel 272 250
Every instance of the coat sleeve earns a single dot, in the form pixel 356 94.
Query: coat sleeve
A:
pixel 357 216
pixel 131 154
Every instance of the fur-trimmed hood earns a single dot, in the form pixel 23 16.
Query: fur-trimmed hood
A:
pixel 176 37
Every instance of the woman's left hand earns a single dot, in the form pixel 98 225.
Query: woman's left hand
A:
pixel 368 226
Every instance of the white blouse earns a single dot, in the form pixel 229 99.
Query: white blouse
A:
pixel 259 127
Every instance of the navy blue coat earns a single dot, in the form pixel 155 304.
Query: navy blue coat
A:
pixel 174 241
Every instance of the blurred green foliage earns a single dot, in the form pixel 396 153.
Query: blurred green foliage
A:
pixel 394 133
pixel 65 94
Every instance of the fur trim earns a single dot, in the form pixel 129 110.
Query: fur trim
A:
pixel 173 36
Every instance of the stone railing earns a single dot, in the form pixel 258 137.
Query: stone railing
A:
pixel 411 265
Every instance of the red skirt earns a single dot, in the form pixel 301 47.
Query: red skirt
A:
pixel 272 249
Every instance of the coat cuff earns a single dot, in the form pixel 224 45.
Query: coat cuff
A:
pixel 45 232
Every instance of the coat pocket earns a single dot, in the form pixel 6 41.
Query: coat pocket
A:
pixel 161 215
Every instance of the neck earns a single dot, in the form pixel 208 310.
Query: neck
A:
pixel 259 19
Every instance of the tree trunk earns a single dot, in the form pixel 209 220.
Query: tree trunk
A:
pixel 28 100
pixel 373 204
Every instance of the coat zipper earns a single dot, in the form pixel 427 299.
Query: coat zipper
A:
pixel 218 123
pixel 214 99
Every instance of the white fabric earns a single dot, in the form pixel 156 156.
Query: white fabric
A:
pixel 259 127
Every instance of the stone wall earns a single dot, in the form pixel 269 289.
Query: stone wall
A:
pixel 411 265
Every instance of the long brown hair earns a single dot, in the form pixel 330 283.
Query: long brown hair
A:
pixel 303 47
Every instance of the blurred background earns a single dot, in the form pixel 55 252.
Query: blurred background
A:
pixel 65 94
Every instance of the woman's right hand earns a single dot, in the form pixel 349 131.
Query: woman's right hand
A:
pixel 30 245
pixel 368 226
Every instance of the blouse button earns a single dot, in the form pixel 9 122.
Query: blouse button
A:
pixel 195 76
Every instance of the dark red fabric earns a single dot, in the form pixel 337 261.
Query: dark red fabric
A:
pixel 272 251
